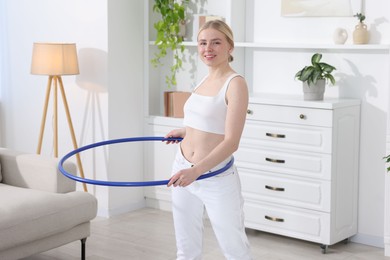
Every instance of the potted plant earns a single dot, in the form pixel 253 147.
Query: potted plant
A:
pixel 314 78
pixel 361 17
pixel 169 35
pixel 360 34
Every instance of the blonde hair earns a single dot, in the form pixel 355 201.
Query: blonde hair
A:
pixel 222 27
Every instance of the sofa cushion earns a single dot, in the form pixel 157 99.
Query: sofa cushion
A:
pixel 28 214
pixel 35 171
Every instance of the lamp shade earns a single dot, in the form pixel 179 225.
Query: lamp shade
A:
pixel 54 59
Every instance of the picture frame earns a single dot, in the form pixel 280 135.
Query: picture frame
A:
pixel 320 8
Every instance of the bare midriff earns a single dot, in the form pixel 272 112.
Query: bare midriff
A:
pixel 198 144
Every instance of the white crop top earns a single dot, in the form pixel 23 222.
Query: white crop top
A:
pixel 207 113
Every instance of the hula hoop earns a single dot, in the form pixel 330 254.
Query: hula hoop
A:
pixel 125 183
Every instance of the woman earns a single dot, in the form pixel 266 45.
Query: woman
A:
pixel 214 118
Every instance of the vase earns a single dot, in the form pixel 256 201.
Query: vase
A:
pixel 340 36
pixel 314 92
pixel 360 34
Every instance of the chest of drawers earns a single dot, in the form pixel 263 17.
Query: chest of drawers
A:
pixel 298 163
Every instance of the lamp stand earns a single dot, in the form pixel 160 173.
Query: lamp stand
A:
pixel 58 79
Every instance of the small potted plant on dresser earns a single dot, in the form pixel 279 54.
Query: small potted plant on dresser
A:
pixel 314 77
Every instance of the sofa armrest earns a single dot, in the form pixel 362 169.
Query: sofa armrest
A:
pixel 35 171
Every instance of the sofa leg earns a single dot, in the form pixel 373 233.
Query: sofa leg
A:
pixel 83 248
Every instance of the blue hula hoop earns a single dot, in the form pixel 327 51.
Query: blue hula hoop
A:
pixel 125 183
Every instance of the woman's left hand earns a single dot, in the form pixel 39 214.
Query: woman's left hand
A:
pixel 183 178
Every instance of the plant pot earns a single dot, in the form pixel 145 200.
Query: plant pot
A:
pixel 314 92
pixel 360 34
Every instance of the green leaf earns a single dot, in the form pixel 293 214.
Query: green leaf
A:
pixel 306 72
pixel 316 75
pixel 331 78
pixel 387 161
pixel 316 58
pixel 326 67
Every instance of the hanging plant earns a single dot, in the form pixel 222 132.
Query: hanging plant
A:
pixel 168 34
pixel 387 158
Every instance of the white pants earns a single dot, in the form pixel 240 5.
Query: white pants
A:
pixel 221 197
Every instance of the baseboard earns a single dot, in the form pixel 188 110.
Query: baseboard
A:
pixel 121 210
pixel 387 249
pixel 158 204
pixel 368 240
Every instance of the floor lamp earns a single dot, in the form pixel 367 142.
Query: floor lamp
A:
pixel 55 60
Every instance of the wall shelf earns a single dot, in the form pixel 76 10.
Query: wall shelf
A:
pixel 313 46
pixel 305 46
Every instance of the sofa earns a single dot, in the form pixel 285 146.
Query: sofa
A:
pixel 40 208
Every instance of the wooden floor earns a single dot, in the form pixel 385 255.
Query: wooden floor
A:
pixel 148 234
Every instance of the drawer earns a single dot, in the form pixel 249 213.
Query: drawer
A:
pixel 303 164
pixel 290 115
pixel 290 191
pixel 303 224
pixel 287 136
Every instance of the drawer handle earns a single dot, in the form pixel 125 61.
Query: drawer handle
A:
pixel 275 135
pixel 249 112
pixel 274 219
pixel 274 188
pixel 274 160
pixel 302 116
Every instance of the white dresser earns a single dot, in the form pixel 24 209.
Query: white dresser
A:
pixel 298 162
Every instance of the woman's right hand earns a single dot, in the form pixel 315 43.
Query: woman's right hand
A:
pixel 176 133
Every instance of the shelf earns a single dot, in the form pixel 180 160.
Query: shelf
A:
pixel 305 46
pixel 313 46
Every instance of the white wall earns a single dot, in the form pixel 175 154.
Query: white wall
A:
pixel 125 69
pixel 101 98
pixel 47 21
